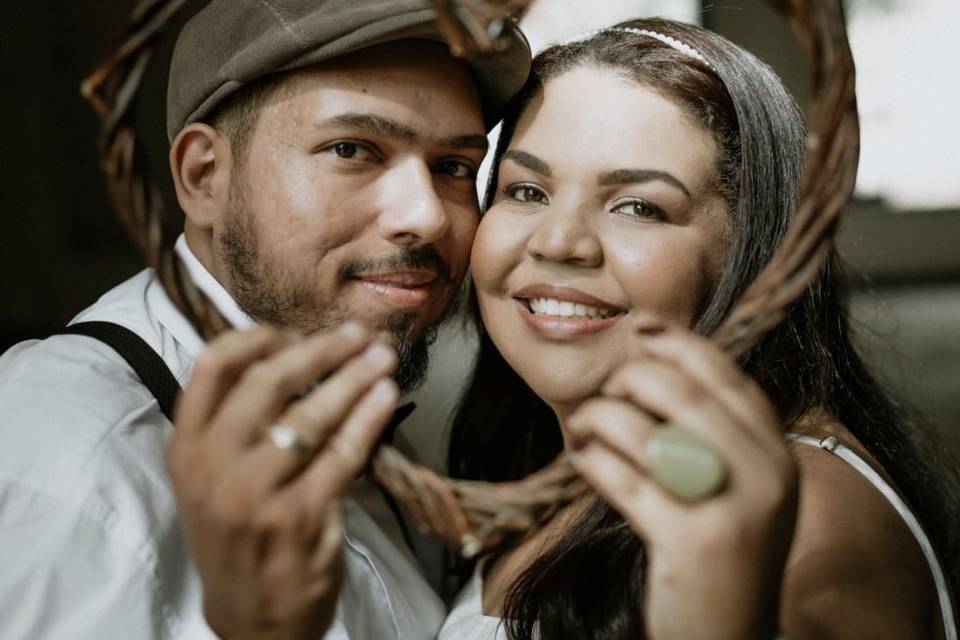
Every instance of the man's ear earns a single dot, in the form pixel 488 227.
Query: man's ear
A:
pixel 201 163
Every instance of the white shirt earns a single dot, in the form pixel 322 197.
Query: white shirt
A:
pixel 90 545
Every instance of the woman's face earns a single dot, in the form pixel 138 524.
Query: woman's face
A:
pixel 607 218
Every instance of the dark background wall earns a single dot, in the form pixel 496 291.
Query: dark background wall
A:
pixel 62 246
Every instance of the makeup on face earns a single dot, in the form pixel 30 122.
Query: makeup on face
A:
pixel 605 219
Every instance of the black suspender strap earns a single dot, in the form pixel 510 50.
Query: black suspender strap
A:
pixel 146 363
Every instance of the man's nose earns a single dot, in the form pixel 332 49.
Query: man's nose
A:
pixel 413 213
pixel 566 235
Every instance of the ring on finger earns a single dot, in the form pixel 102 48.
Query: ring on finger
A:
pixel 286 437
pixel 683 464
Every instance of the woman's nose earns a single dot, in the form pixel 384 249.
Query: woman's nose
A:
pixel 565 235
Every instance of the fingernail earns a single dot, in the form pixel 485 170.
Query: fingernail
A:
pixel 652 330
pixel 351 329
pixel 385 389
pixel 576 443
pixel 379 355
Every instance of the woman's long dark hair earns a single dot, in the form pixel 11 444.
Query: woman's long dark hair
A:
pixel 590 583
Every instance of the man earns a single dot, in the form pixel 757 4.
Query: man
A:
pixel 324 154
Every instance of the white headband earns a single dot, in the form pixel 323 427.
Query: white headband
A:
pixel 670 41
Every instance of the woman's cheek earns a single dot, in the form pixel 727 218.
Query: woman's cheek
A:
pixel 497 248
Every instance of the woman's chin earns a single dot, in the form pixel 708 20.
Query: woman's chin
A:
pixel 562 388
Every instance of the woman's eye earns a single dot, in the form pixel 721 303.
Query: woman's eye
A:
pixel 456 169
pixel 526 193
pixel 640 209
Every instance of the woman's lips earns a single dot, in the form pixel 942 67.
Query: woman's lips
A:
pixel 564 313
pixel 401 290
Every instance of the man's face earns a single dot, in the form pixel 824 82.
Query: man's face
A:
pixel 357 199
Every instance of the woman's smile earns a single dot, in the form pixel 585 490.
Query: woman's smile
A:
pixel 561 312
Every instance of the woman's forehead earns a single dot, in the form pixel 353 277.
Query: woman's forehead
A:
pixel 595 120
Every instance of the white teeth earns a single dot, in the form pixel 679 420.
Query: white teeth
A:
pixel 564 309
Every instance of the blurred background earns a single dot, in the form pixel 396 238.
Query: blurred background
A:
pixel 63 246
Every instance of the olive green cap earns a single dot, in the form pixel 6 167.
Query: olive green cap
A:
pixel 230 43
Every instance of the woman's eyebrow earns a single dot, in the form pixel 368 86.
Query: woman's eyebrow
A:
pixel 529 161
pixel 632 176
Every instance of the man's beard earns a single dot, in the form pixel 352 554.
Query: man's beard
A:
pixel 267 293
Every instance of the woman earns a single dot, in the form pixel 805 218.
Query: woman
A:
pixel 643 178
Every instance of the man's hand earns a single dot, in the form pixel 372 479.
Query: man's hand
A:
pixel 263 523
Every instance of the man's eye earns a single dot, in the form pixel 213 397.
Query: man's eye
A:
pixel 526 193
pixel 345 149
pixel 640 209
pixel 456 169
pixel 351 151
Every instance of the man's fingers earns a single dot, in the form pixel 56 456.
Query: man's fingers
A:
pixel 348 451
pixel 217 370
pixel 320 414
pixel 313 419
pixel 267 386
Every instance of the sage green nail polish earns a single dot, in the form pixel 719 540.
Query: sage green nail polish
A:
pixel 683 464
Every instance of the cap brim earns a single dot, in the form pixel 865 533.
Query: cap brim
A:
pixel 499 75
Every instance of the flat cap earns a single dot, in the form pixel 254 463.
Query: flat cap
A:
pixel 230 43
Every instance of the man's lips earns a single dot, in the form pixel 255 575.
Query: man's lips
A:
pixel 406 289
pixel 560 312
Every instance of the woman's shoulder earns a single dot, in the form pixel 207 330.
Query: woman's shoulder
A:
pixel 852 550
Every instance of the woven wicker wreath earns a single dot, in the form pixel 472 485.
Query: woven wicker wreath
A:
pixel 476 516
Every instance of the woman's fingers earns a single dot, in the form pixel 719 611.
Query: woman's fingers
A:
pixel 619 425
pixel 623 486
pixel 670 395
pixel 715 371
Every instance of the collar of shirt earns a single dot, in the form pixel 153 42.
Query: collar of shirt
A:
pixel 170 317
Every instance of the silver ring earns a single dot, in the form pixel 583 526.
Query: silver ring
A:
pixel 287 438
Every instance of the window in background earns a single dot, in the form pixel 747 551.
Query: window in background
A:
pixel 554 20
pixel 908 85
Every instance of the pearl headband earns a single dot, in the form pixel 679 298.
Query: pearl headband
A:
pixel 670 41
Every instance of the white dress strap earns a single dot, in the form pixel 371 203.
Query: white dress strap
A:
pixel 845 453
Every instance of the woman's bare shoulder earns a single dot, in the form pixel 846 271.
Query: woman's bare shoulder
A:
pixel 855 569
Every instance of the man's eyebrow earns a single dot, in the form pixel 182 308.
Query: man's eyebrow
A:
pixel 385 127
pixel 469 141
pixel 632 176
pixel 529 161
pixel 375 124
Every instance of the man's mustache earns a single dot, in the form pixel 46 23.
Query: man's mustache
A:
pixel 419 258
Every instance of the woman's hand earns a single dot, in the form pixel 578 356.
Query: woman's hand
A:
pixel 262 519
pixel 716 565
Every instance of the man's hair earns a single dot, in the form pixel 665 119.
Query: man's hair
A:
pixel 237 116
